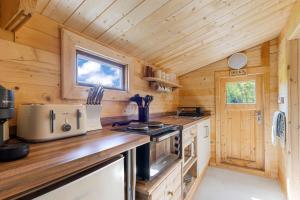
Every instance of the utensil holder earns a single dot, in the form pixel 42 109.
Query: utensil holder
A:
pixel 93 117
pixel 144 114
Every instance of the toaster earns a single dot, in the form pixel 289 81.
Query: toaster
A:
pixel 44 122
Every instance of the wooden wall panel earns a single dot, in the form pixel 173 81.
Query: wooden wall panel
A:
pixel 31 66
pixel 286 82
pixel 199 90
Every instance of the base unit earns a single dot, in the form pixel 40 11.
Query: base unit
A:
pixel 165 187
pixel 203 145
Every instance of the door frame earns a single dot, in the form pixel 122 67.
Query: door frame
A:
pixel 293 134
pixel 264 71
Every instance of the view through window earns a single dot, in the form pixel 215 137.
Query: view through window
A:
pixel 243 92
pixel 93 70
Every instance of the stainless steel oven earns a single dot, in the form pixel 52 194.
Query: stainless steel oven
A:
pixel 164 149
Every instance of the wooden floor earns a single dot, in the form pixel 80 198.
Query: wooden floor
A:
pixel 222 184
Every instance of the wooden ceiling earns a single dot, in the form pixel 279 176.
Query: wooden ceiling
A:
pixel 176 35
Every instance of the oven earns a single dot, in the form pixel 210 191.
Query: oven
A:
pixel 164 149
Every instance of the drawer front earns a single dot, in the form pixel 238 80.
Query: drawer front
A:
pixel 160 192
pixel 173 184
pixel 177 195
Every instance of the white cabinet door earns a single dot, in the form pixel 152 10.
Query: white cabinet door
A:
pixel 203 145
pixel 104 183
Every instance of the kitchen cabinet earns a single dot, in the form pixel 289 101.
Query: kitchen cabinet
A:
pixel 203 145
pixel 170 188
pixel 167 186
pixel 106 181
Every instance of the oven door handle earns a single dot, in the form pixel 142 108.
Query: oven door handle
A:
pixel 162 137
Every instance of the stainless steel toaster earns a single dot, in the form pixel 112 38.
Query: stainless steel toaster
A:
pixel 43 122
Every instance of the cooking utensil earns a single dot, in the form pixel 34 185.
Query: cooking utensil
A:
pixel 88 100
pixel 95 95
pixel 100 95
pixel 138 99
pixel 148 100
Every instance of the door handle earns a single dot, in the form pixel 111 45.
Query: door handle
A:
pixel 259 116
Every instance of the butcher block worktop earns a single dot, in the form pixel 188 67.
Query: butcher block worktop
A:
pixel 50 161
pixel 185 122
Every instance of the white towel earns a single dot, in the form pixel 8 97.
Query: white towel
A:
pixel 274 127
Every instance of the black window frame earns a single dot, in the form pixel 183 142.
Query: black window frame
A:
pixel 105 60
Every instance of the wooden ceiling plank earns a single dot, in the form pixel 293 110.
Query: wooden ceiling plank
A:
pixel 264 37
pixel 196 37
pixel 60 10
pixel 221 49
pixel 110 17
pixel 206 20
pixel 41 5
pixel 222 31
pixel 181 27
pixel 169 13
pixel 133 18
pixel 87 12
pixel 218 47
pixel 210 57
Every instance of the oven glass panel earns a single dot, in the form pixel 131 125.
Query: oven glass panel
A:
pixel 163 154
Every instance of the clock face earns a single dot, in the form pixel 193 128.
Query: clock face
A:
pixel 237 61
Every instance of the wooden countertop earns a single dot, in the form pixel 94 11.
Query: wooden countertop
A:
pixel 183 121
pixel 50 161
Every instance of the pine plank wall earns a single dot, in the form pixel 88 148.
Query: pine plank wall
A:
pixel 31 66
pixel 199 89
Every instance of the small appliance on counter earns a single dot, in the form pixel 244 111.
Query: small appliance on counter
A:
pixel 165 145
pixel 44 122
pixel 10 150
pixel 190 112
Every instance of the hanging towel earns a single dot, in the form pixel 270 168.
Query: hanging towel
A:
pixel 281 128
pixel 274 127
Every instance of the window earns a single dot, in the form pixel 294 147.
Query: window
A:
pixel 92 70
pixel 243 92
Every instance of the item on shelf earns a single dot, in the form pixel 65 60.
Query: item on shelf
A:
pixel 187 178
pixel 163 75
pixel 173 77
pixel 163 88
pixel 148 71
pixel 158 74
pixel 167 77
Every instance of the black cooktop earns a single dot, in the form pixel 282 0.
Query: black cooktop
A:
pixel 147 128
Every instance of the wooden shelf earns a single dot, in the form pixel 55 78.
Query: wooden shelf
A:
pixel 164 82
pixel 188 166
pixel 188 187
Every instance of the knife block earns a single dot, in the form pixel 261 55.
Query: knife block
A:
pixel 93 121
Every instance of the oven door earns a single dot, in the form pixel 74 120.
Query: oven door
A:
pixel 165 149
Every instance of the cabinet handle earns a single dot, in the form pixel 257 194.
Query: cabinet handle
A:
pixel 170 193
pixel 206 131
